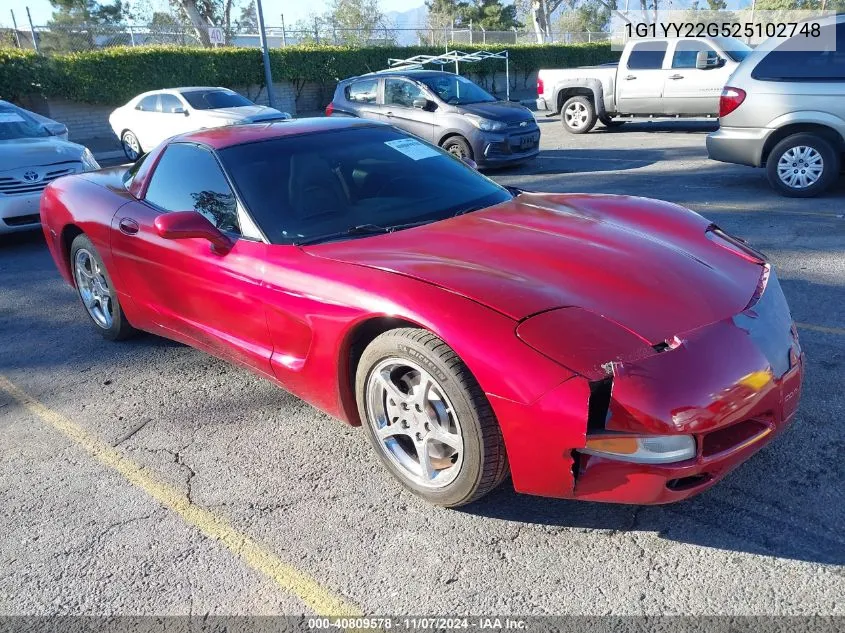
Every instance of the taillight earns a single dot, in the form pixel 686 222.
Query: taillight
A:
pixel 730 100
pixel 540 87
pixel 329 109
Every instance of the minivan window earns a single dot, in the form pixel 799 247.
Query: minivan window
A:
pixel 788 62
pixel 647 56
pixel 364 91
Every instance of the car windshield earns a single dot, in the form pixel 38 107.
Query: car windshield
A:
pixel 15 124
pixel 348 183
pixel 457 90
pixel 736 49
pixel 214 99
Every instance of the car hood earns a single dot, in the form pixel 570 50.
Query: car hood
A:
pixel 29 152
pixel 644 264
pixel 245 113
pixel 499 111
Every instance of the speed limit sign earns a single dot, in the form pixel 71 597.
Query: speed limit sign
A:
pixel 215 35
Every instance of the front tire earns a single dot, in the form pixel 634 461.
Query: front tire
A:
pixel 578 115
pixel 96 291
pixel 427 418
pixel 802 166
pixel 131 146
pixel 458 147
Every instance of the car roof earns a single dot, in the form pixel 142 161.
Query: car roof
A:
pixel 410 74
pixel 230 135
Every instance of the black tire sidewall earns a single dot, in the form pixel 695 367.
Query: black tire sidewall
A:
pixel 822 146
pixel 120 327
pixel 394 344
pixel 591 109
pixel 460 141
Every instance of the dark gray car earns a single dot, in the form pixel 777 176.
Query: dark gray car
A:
pixel 445 109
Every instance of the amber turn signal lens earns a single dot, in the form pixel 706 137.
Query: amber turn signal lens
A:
pixel 619 445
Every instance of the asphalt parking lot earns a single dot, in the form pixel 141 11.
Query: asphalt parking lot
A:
pixel 146 477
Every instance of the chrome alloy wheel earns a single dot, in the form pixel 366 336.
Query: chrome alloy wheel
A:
pixel 800 167
pixel 93 288
pixel 415 423
pixel 576 115
pixel 131 146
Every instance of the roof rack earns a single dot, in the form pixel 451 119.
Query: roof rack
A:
pixel 418 61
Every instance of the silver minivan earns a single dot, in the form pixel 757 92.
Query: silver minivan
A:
pixel 784 109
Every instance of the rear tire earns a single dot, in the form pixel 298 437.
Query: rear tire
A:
pixel 578 115
pixel 96 291
pixel 458 147
pixel 802 166
pixel 413 391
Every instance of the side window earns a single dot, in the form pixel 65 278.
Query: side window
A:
pixel 148 104
pixel 169 103
pixel 647 56
pixel 189 177
pixel 788 62
pixel 364 91
pixel 401 93
pixel 686 52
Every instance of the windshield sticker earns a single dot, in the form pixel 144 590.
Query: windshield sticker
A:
pixel 11 117
pixel 412 149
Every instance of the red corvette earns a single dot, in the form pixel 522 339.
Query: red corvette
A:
pixel 596 347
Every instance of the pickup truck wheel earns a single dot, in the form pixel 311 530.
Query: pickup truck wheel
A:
pixel 606 121
pixel 802 166
pixel 578 115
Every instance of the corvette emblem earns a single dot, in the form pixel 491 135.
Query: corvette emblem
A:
pixel 31 176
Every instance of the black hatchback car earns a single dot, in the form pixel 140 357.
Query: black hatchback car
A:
pixel 445 109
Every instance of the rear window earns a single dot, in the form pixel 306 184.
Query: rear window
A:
pixel 647 56
pixel 362 91
pixel 788 62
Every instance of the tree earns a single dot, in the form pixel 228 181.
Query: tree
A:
pixel 542 12
pixel 248 20
pixel 70 26
pixel 356 21
pixel 492 15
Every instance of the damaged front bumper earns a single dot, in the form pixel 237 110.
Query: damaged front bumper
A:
pixel 733 386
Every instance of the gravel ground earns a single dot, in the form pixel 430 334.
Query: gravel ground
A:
pixel 78 537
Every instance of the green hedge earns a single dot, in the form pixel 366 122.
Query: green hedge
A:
pixel 114 75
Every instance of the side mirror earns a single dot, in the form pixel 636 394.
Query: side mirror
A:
pixel 57 129
pixel 421 103
pixel 703 61
pixel 469 162
pixel 179 110
pixel 183 225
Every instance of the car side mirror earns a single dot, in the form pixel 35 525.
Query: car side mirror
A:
pixel 703 61
pixel 179 110
pixel 469 162
pixel 421 103
pixel 183 225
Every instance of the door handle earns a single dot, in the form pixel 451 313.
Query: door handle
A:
pixel 128 226
pixel 630 77
pixel 676 76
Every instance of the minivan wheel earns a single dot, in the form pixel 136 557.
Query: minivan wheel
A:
pixel 802 166
pixel 578 115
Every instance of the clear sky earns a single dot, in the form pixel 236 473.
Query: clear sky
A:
pixel 42 10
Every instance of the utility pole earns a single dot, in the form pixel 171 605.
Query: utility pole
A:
pixel 15 24
pixel 268 76
pixel 32 31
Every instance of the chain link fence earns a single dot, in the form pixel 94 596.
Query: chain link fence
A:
pixel 55 39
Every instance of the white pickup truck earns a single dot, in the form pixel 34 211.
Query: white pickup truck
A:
pixel 680 77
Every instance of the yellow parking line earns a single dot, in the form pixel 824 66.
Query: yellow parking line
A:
pixel 820 328
pixel 319 599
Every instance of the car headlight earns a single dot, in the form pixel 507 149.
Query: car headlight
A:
pixel 651 449
pixel 89 163
pixel 485 124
